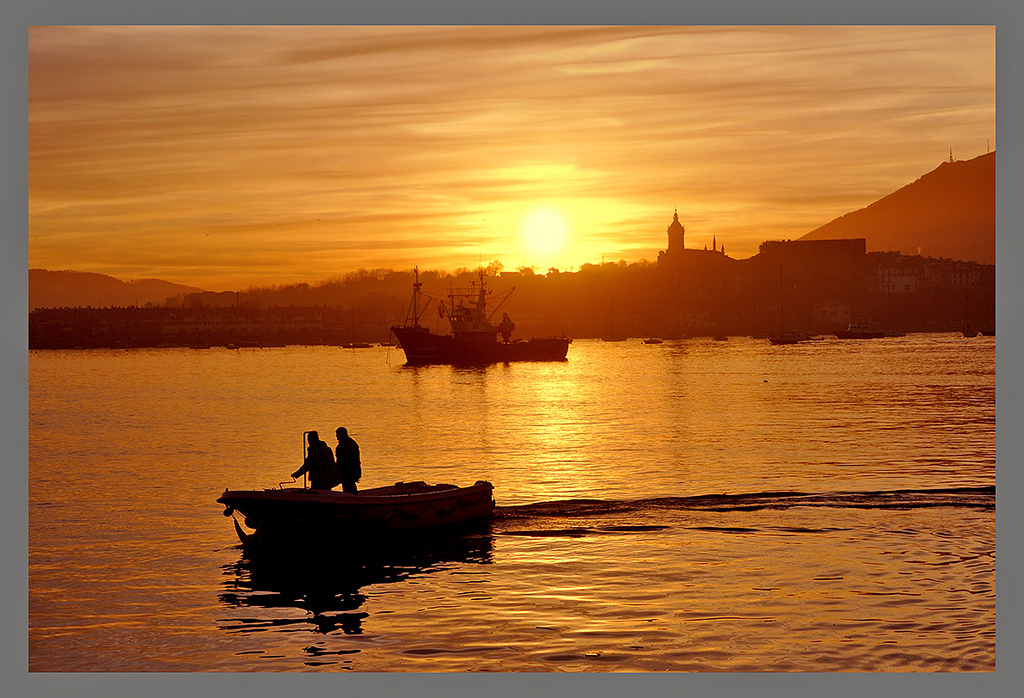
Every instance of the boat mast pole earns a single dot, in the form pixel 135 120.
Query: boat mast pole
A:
pixel 415 297
pixel 481 302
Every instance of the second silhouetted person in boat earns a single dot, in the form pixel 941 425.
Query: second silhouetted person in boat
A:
pixel 348 460
pixel 319 463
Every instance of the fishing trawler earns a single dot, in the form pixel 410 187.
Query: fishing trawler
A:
pixel 474 339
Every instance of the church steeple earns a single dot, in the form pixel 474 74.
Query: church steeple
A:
pixel 676 231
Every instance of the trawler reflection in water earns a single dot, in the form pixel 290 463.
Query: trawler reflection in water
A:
pixel 328 588
pixel 474 338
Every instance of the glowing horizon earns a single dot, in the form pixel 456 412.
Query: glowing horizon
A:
pixel 228 157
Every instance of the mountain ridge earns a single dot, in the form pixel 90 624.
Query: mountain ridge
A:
pixel 68 288
pixel 949 212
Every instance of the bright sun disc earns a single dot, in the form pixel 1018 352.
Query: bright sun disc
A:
pixel 545 231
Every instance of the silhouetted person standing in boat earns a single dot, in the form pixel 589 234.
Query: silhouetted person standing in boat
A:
pixel 319 463
pixel 348 460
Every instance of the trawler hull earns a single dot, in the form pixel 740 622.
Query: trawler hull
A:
pixel 423 347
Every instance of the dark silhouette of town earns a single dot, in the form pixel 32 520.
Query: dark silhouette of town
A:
pixel 811 286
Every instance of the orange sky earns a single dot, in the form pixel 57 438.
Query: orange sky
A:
pixel 225 157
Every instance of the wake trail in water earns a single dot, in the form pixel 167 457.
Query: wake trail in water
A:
pixel 968 497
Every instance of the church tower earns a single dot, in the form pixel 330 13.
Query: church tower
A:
pixel 675 233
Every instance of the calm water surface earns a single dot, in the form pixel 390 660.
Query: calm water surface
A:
pixel 691 506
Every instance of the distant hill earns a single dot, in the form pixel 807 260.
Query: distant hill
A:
pixel 59 289
pixel 949 212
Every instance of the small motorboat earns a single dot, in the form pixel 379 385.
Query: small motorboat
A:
pixel 295 514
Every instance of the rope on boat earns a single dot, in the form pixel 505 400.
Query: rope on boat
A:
pixel 243 537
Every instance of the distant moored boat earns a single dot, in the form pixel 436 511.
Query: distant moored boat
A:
pixel 790 337
pixel 861 329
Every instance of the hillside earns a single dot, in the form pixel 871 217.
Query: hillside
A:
pixel 59 289
pixel 949 212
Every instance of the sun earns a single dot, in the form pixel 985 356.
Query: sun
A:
pixel 544 232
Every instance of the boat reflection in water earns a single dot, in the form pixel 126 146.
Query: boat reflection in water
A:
pixel 329 588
